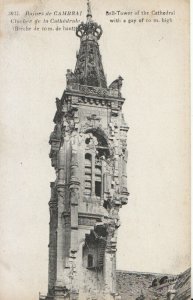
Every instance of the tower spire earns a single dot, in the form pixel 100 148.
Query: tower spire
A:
pixel 89 13
pixel 88 152
pixel 89 69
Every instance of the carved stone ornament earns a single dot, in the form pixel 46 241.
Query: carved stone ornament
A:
pixel 90 28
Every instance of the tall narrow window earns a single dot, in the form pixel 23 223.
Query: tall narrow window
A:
pixel 98 189
pixel 98 181
pixel 90 261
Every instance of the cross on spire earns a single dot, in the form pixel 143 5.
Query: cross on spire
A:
pixel 89 13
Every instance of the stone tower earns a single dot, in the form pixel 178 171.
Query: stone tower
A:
pixel 89 154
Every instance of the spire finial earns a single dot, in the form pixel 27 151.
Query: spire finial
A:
pixel 89 29
pixel 89 13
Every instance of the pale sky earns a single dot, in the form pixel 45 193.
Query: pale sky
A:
pixel 153 60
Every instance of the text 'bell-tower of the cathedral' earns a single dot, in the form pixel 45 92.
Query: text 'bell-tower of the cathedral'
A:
pixel 89 154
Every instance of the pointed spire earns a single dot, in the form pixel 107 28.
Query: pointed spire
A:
pixel 89 13
pixel 89 69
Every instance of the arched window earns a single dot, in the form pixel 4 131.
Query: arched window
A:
pixel 97 150
pixel 163 280
pixel 102 147
pixel 154 282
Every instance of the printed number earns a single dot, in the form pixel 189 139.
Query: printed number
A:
pixel 13 13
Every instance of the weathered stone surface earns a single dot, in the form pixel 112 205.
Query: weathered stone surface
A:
pixel 183 286
pixel 89 155
pixel 152 286
pixel 88 152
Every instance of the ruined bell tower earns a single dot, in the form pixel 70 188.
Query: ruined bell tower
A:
pixel 89 155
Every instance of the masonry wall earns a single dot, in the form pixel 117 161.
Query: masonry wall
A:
pixel 183 286
pixel 90 281
pixel 130 285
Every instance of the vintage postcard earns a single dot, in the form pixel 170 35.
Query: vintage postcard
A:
pixel 95 150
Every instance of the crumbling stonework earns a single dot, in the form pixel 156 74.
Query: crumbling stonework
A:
pixel 182 288
pixel 153 286
pixel 133 285
pixel 89 154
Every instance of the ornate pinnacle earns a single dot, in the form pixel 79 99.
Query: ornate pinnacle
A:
pixel 89 70
pixel 90 28
pixel 89 13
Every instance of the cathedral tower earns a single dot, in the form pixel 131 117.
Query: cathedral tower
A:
pixel 89 154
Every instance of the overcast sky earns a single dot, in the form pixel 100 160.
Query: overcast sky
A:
pixel 152 59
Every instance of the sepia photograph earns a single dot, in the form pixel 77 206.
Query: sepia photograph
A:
pixel 95 150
